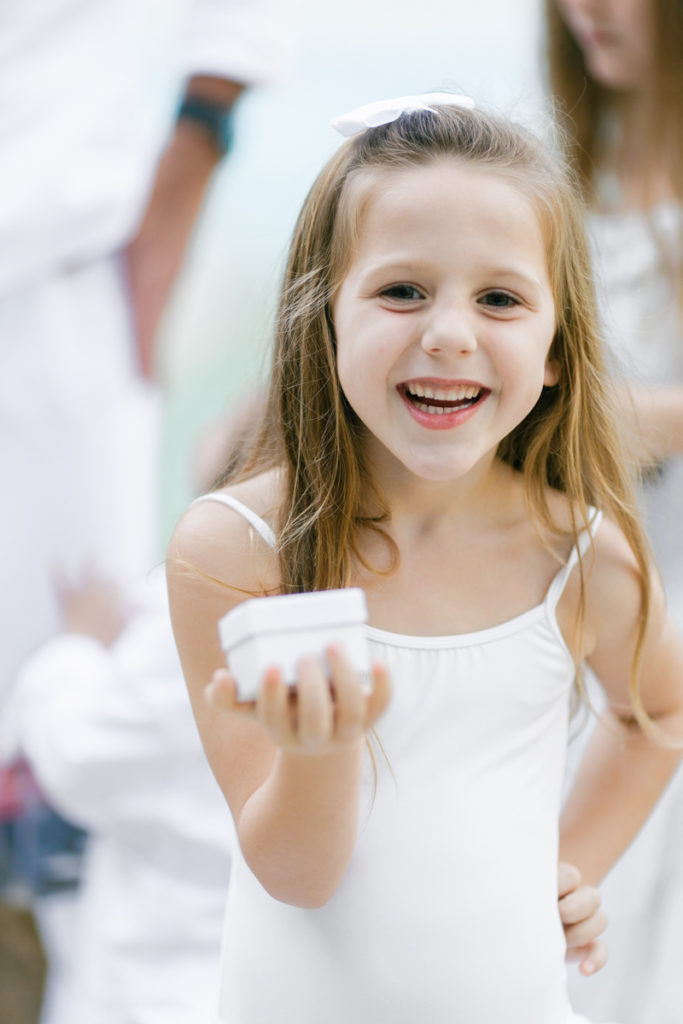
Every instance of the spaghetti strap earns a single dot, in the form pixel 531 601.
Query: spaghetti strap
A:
pixel 260 525
pixel 558 584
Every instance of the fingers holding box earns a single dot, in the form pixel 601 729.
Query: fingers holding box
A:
pixel 329 706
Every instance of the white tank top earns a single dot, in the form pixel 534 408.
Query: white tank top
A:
pixel 448 910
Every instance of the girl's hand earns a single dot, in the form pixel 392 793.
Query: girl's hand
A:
pixel 321 714
pixel 583 920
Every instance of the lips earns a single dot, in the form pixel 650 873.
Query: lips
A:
pixel 441 398
pixel 442 405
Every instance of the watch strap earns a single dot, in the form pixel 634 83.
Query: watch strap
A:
pixel 215 119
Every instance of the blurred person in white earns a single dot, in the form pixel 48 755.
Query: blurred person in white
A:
pixel 102 715
pixel 616 68
pixel 114 115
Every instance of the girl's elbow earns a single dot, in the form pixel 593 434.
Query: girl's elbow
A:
pixel 304 892
pixel 309 899
pixel 299 886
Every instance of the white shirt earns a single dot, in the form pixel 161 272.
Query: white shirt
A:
pixel 87 93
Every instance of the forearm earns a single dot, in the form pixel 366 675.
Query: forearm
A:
pixel 622 776
pixel 184 173
pixel 298 830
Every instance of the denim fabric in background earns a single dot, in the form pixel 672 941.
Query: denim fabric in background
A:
pixel 40 852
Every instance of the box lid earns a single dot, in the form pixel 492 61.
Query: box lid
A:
pixel 292 611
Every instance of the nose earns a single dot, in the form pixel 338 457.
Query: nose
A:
pixel 449 329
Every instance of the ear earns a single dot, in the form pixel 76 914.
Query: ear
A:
pixel 550 374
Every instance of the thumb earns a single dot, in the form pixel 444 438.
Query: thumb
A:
pixel 221 693
pixel 380 696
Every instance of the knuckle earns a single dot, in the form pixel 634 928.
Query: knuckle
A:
pixel 601 921
pixel 592 896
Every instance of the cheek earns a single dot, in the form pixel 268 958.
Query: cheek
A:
pixel 342 348
pixel 353 372
pixel 343 370
pixel 551 373
pixel 364 357
pixel 635 18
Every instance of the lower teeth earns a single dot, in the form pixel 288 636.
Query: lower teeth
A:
pixel 440 409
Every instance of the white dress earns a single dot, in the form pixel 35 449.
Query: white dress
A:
pixel 448 911
pixel 643 894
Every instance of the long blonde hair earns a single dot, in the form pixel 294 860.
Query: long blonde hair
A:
pixel 569 441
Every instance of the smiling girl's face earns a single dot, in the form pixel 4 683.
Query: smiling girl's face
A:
pixel 445 317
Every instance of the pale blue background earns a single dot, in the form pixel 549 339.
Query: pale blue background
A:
pixel 346 52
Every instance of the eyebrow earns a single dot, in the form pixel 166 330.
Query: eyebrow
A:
pixel 393 268
pixel 517 275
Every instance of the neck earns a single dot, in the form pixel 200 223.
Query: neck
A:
pixel 492 491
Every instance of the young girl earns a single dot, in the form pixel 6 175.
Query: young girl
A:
pixel 438 433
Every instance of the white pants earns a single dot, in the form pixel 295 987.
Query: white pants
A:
pixel 78 444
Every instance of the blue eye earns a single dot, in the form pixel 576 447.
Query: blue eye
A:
pixel 402 292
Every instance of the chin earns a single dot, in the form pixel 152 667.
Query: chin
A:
pixel 440 472
pixel 611 74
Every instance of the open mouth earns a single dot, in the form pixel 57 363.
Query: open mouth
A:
pixel 439 401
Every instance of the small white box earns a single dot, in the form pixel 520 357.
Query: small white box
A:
pixel 265 631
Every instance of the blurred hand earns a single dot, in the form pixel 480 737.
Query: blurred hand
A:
pixel 583 920
pixel 93 608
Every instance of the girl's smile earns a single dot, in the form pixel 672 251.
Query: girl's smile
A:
pixel 439 405
pixel 445 318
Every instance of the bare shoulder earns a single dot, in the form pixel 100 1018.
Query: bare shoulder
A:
pixel 216 560
pixel 614 615
pixel 217 543
pixel 613 585
pixel 609 635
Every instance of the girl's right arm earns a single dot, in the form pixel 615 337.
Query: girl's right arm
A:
pixel 288 764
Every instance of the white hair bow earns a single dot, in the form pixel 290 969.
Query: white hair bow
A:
pixel 384 111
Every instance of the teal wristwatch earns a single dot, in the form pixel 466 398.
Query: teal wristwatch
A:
pixel 215 119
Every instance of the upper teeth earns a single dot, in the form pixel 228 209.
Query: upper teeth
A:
pixel 455 393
